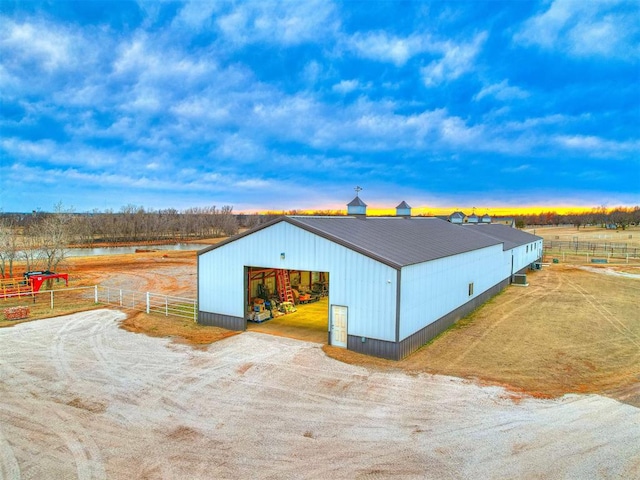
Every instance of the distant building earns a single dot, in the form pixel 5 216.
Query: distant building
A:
pixel 457 217
pixel 508 221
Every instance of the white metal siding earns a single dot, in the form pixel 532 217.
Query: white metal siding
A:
pixel 432 289
pixel 525 255
pixel 365 286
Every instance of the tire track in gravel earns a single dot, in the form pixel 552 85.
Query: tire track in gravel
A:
pixel 131 376
pixel 80 444
pixel 9 467
pixel 86 454
pixel 59 357
pixel 279 408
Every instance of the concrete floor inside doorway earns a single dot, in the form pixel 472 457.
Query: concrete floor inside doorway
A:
pixel 309 323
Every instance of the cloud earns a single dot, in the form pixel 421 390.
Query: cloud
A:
pixel 382 47
pixel 291 23
pixel 583 29
pixel 501 91
pixel 596 146
pixel 200 97
pixel 239 148
pixel 458 59
pixel 346 86
pixel 252 183
pixel 28 149
pixel 196 14
pixel 34 43
pixel 143 59
pixel 517 169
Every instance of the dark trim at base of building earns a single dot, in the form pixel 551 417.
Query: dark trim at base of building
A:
pixel 400 350
pixel 225 321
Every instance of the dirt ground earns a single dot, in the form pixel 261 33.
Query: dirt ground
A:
pixel 82 398
pixel 507 393
pixel 574 329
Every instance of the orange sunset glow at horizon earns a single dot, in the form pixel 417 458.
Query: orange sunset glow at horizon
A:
pixel 372 210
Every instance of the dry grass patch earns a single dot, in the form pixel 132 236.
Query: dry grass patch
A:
pixel 182 330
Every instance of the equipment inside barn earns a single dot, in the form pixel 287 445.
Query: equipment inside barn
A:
pixel 274 292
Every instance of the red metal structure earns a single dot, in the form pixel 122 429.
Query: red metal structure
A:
pixel 29 284
pixel 38 278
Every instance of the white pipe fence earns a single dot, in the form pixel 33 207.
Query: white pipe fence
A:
pixel 148 302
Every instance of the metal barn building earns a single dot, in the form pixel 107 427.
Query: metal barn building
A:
pixel 394 282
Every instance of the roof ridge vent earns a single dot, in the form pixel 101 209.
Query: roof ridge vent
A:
pixel 357 208
pixel 403 210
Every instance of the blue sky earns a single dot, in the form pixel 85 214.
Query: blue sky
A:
pixel 290 105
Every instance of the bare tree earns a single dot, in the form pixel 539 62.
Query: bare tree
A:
pixel 54 234
pixel 8 247
pixel 226 222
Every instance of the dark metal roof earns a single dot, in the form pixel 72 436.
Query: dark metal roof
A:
pixel 397 241
pixel 403 205
pixel 510 237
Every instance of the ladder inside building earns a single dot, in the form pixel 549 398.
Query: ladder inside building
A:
pixel 284 286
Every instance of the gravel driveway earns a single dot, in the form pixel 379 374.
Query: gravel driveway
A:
pixel 82 398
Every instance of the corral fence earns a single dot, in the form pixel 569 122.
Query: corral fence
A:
pixel 148 302
pixel 616 249
pixel 73 299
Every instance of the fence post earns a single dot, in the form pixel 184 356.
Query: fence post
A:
pixel 195 311
pixel 166 306
pixel 51 299
pixel 120 297
pixel 95 293
pixel 147 302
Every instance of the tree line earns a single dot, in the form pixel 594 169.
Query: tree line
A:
pixel 40 239
pixel 618 217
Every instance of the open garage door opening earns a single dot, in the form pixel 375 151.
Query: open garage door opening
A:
pixel 290 303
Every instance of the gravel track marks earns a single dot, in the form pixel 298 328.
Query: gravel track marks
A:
pixel 82 398
pixel 9 467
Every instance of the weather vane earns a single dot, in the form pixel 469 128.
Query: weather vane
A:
pixel 358 190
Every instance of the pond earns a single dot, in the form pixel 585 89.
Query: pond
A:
pixel 92 251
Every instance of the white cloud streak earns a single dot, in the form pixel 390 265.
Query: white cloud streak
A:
pixel 291 23
pixel 583 29
pixel 501 91
pixel 383 47
pixel 458 59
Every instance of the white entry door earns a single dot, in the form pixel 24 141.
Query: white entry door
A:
pixel 339 326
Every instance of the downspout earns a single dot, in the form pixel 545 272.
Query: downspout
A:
pixel 511 276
